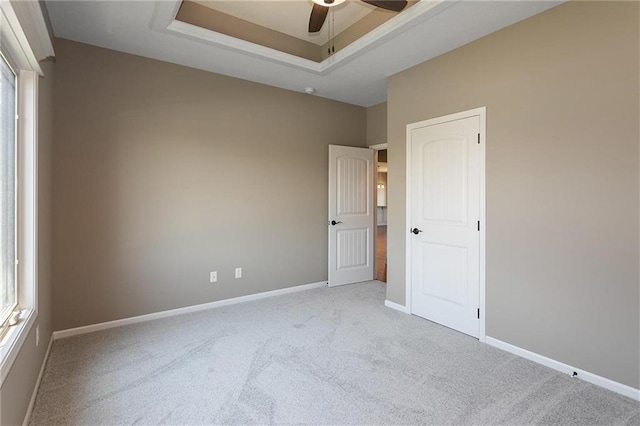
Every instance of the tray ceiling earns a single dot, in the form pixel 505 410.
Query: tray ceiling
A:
pixel 291 17
pixel 283 25
pixel 356 74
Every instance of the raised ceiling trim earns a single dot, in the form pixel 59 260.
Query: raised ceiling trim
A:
pixel 140 28
pixel 243 46
pixel 195 13
pixel 164 20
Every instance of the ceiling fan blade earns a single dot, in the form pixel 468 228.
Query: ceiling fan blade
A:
pixel 395 5
pixel 318 15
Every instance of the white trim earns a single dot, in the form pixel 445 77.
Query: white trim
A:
pixel 186 310
pixel 166 11
pixel 483 223
pixel 27 129
pixel 33 23
pixel 603 382
pixel 407 240
pixel 27 416
pixel 379 147
pixel 396 306
pixel 482 114
pixel 218 39
pixel 14 42
pixel 27 219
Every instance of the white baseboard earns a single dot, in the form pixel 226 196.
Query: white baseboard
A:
pixel 180 311
pixel 397 307
pixel 625 390
pixel 27 416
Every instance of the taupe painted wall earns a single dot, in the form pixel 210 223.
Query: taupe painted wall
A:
pixel 377 124
pixel 561 91
pixel 19 384
pixel 163 173
pixel 205 17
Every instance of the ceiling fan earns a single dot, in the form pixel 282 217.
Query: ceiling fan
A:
pixel 321 8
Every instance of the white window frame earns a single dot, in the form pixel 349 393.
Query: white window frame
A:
pixel 17 51
pixel 10 311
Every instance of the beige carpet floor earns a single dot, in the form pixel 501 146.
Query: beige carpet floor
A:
pixel 324 356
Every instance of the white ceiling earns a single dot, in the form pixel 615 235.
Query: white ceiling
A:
pixel 291 16
pixel 356 74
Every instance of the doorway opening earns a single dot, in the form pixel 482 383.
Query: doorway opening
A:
pixel 381 212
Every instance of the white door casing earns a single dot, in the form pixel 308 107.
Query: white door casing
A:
pixel 351 214
pixel 445 212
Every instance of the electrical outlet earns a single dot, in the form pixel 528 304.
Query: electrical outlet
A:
pixel 238 272
pixel 37 334
pixel 213 276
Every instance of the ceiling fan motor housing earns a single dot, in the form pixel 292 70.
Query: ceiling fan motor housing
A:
pixel 321 8
pixel 328 3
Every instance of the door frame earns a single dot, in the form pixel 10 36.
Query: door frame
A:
pixel 482 114
pixel 376 148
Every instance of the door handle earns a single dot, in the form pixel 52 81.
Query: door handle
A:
pixel 416 231
pixel 333 222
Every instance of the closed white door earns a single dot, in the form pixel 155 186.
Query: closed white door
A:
pixel 445 223
pixel 351 214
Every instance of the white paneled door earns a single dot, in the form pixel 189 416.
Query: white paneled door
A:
pixel 351 214
pixel 445 189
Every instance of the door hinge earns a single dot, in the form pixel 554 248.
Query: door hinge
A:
pixel 478 137
pixel 478 313
pixel 478 225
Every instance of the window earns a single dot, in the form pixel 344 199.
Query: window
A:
pixel 8 281
pixel 20 52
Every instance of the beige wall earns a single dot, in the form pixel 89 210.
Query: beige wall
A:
pixel 561 91
pixel 19 384
pixel 205 17
pixel 377 124
pixel 163 173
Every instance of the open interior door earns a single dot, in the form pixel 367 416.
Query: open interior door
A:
pixel 351 214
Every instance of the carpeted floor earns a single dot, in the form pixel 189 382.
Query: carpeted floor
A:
pixel 325 356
